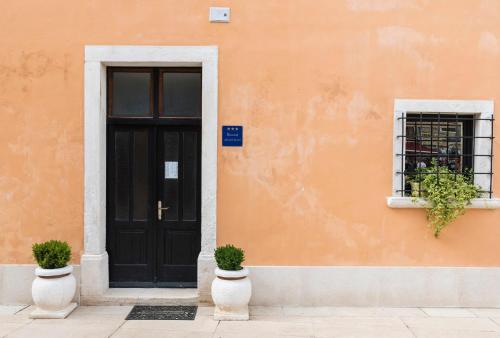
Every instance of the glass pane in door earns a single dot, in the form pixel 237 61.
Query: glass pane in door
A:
pixel 181 94
pixel 131 94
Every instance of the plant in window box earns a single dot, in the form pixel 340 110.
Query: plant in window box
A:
pixel 54 286
pixel 415 179
pixel 448 193
pixel 231 288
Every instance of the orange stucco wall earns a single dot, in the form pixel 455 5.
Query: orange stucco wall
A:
pixel 314 84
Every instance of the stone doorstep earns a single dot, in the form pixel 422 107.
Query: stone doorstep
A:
pixel 138 296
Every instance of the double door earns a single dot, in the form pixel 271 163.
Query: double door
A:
pixel 153 205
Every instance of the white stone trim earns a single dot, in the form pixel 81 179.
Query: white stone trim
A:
pixel 16 280
pixel 94 261
pixel 444 106
pixel 408 202
pixel 399 286
pixel 375 286
pixel 143 296
pixel 481 108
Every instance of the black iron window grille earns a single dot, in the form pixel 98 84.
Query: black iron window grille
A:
pixel 448 140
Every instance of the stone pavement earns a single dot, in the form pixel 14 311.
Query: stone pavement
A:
pixel 108 321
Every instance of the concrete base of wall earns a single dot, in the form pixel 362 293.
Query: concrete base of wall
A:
pixel 15 283
pixel 95 275
pixel 206 268
pixel 320 286
pixel 376 286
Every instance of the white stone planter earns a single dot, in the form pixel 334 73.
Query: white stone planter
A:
pixel 231 292
pixel 52 291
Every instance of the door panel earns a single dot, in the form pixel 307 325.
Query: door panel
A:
pixel 141 175
pixel 121 151
pixel 180 192
pixel 190 176
pixel 130 225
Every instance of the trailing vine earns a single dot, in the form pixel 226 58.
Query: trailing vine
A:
pixel 447 192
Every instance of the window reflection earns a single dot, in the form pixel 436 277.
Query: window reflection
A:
pixel 426 141
pixel 447 140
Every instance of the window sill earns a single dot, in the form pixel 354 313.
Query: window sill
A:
pixel 407 203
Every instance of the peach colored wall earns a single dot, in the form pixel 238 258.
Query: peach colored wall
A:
pixel 313 82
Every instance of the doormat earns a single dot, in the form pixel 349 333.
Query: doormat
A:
pixel 178 312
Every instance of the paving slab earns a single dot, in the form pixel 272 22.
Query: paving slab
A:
pixel 486 312
pixel 353 312
pixel 443 323
pixel 11 309
pixel 265 328
pixel 363 332
pixel 353 322
pixel 440 333
pixel 257 335
pixel 360 327
pixel 158 333
pixel 320 311
pixel 496 320
pixel 7 328
pixel 205 311
pixel 266 311
pixel 25 312
pixel 100 313
pixel 63 328
pixel 202 324
pixel 448 312
pixel 282 318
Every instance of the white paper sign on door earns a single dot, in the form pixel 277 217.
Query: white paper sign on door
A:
pixel 171 170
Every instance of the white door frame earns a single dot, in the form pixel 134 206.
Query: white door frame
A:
pixel 94 261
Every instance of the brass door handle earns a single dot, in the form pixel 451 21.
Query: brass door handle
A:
pixel 160 210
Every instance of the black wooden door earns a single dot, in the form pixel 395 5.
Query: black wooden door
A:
pixel 179 224
pixel 153 214
pixel 130 217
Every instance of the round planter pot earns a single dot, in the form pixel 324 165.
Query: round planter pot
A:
pixel 52 291
pixel 231 292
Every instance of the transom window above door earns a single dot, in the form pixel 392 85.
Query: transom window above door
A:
pixel 154 93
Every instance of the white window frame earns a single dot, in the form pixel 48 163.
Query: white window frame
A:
pixel 482 109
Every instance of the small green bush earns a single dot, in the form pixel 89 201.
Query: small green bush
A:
pixel 229 257
pixel 52 254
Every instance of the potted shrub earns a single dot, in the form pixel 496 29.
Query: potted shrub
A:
pixel 54 286
pixel 231 288
pixel 448 193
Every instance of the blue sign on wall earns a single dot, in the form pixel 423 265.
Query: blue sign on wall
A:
pixel 232 136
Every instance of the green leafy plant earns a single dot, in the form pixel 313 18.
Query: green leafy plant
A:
pixel 229 257
pixel 52 254
pixel 448 193
pixel 415 179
